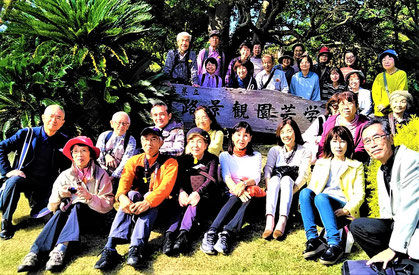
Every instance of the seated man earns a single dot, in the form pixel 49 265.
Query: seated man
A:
pixel 116 147
pixel 39 165
pixel 172 131
pixel 147 180
pixel 213 51
pixel 271 79
pixel 396 233
pixel 180 65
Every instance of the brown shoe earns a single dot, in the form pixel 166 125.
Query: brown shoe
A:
pixel 266 234
pixel 278 234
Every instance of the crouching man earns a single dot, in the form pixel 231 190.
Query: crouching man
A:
pixel 146 181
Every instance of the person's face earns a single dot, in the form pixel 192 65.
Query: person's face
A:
pixel 183 43
pixel 257 49
pixel 214 41
pixel 388 62
pixel 210 67
pixel 241 139
pixel 304 65
pixel 81 155
pixel 151 144
pixel 287 136
pixel 323 58
pixel 349 59
pixel 298 52
pixel 347 110
pixel 267 64
pixel 334 109
pixel 354 82
pixel 377 143
pixel 399 104
pixel 160 116
pixel 53 119
pixel 242 72
pixel 202 120
pixel 286 62
pixel 244 52
pixel 197 146
pixel 338 147
pixel 334 76
pixel 120 125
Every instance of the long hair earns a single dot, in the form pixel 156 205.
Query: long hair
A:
pixel 214 124
pixel 294 126
pixel 341 80
pixel 241 125
pixel 344 134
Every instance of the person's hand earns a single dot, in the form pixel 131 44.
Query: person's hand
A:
pixel 139 207
pixel 63 191
pixel 384 257
pixel 341 212
pixel 110 161
pixel 16 173
pixel 125 206
pixel 381 107
pixel 195 85
pixel 194 198
pixel 245 196
pixel 183 199
pixel 82 192
pixel 239 189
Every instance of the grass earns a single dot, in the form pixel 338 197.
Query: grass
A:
pixel 252 255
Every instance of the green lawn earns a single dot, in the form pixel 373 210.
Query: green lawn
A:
pixel 252 255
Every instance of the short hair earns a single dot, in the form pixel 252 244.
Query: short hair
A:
pixel 308 59
pixel 181 34
pixel 115 116
pixel 376 120
pixel 289 121
pixel 211 60
pixel 241 125
pixel 162 104
pixel 355 53
pixel 268 55
pixel 344 134
pixel 341 77
pixel 332 100
pixel 54 106
pixel 348 96
pixel 298 45
pixel 246 64
pixel 210 114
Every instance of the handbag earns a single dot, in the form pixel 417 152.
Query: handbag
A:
pixel 255 191
pixel 402 267
pixel 282 171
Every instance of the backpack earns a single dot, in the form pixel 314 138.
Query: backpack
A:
pixel 217 79
pixel 126 139
pixel 221 63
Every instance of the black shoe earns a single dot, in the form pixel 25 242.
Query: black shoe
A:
pixel 135 256
pixel 313 248
pixel 7 230
pixel 182 242
pixel 332 254
pixel 108 259
pixel 168 243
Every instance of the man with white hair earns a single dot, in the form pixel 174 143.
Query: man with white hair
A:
pixel 180 65
pixel 116 147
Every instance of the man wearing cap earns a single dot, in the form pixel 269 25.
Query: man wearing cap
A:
pixel 180 66
pixel 396 233
pixel 213 51
pixel 172 131
pixel 321 68
pixel 147 180
pixel 298 51
pixel 386 82
pixel 256 58
pixel 286 63
pixel 79 198
pixel 116 147
pixel 36 167
pixel 271 79
pixel 244 58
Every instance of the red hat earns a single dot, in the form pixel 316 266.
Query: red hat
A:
pixel 325 50
pixel 80 140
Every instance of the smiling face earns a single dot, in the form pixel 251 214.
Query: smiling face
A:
pixel 244 53
pixel 197 146
pixel 257 50
pixel 202 120
pixel 324 58
pixel 354 82
pixel 380 148
pixel 349 59
pixel 160 116
pixel 53 119
pixel 120 124
pixel 210 67
pixel 183 43
pixel 151 144
pixel 241 139
pixel 242 72
pixel 304 65
pixel 267 63
pixel 80 155
pixel 388 63
pixel 298 52
pixel 338 147
pixel 334 76
pixel 347 110
pixel 399 105
pixel 287 135
pixel 286 62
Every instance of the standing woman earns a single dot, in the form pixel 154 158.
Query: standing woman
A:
pixel 287 170
pixel 351 61
pixel 80 195
pixel 335 85
pixel 334 195
pixel 206 120
pixel 354 79
pixel 240 169
pixel 305 83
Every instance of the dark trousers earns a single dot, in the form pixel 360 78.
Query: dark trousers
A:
pixel 234 206
pixel 66 227
pixel 37 193
pixel 373 235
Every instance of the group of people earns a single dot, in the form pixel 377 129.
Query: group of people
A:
pixel 176 176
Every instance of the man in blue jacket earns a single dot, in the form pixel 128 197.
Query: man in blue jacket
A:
pixel 36 172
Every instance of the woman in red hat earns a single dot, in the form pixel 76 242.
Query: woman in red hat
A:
pixel 80 196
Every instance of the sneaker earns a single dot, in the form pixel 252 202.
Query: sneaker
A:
pixel 135 256
pixel 222 244
pixel 56 260
pixel 182 242
pixel 108 259
pixel 168 243
pixel 332 254
pixel 208 242
pixel 29 262
pixel 313 248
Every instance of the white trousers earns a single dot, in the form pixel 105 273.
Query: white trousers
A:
pixel 275 184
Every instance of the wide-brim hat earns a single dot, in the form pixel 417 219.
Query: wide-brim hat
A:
pixel 201 132
pixel 287 54
pixel 82 140
pixel 391 52
pixel 151 130
pixel 360 74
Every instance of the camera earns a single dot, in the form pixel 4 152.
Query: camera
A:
pixel 72 190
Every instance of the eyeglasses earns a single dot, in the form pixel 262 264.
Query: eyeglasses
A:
pixel 57 118
pixel 81 152
pixel 376 139
pixel 121 123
